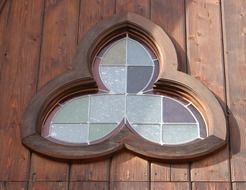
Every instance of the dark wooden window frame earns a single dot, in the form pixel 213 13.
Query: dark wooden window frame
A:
pixel 79 81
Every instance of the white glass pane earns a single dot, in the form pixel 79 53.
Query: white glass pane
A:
pixel 116 54
pixel 114 78
pixel 179 133
pixel 98 131
pixel 107 108
pixel 142 109
pixel 137 55
pixel 73 111
pixel 149 132
pixel 72 133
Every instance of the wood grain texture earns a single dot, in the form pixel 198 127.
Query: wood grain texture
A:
pixel 141 7
pixel 48 186
pixel 179 172
pixel 160 172
pixel 234 20
pixel 91 12
pixel 170 186
pixel 129 185
pixel 211 186
pixel 88 185
pixel 94 171
pixel 239 186
pixel 127 167
pixel 20 44
pixel 206 64
pixel 60 31
pixel 15 186
pixel 170 15
pixel 2 185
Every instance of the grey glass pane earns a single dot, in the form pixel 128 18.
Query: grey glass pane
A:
pixel 72 133
pixel 137 55
pixel 98 131
pixel 149 132
pixel 179 133
pixel 116 53
pixel 138 77
pixel 175 112
pixel 107 108
pixel 142 109
pixel 114 78
pixel 73 111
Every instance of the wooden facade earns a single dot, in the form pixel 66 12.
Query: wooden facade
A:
pixel 38 40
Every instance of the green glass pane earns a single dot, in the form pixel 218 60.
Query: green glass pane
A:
pixel 179 133
pixel 98 131
pixel 149 132
pixel 116 54
pixel 73 111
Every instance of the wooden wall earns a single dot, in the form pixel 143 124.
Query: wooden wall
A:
pixel 38 39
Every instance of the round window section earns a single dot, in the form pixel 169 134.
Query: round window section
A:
pixel 125 71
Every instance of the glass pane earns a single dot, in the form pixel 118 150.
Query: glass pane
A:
pixel 138 78
pixel 72 133
pixel 137 55
pixel 202 125
pixel 142 109
pixel 98 131
pixel 149 132
pixel 179 133
pixel 107 108
pixel 114 78
pixel 174 112
pixel 73 111
pixel 116 53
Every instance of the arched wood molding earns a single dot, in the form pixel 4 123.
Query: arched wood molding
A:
pixel 80 80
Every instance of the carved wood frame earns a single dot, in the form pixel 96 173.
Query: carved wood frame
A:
pixel 80 81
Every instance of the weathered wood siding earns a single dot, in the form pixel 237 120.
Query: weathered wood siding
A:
pixel 38 39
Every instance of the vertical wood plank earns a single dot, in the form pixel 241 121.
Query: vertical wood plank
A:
pixel 19 56
pixel 94 171
pixel 160 172
pixel 234 21
pixel 204 42
pixel 1 185
pixel 140 7
pixel 49 186
pixel 129 185
pixel 170 15
pixel 58 48
pixel 239 186
pixel 91 12
pixel 170 186
pixel 127 167
pixel 88 185
pixel 211 186
pixel 16 186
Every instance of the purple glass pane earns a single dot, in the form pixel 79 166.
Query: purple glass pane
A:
pixel 202 125
pixel 138 77
pixel 174 112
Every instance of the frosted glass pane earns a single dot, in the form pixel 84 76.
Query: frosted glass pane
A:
pixel 138 78
pixel 137 55
pixel 176 112
pixel 107 108
pixel 179 133
pixel 72 133
pixel 98 131
pixel 116 53
pixel 149 132
pixel 114 78
pixel 73 111
pixel 141 109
